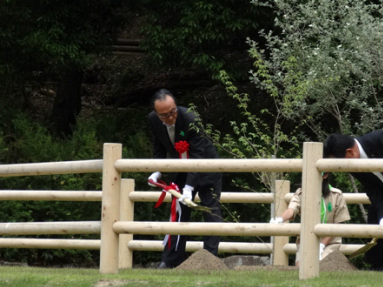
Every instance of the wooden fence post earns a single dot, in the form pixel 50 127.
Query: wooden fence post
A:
pixel 126 214
pixel 310 211
pixel 282 187
pixel 110 211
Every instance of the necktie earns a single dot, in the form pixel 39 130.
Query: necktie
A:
pixel 171 131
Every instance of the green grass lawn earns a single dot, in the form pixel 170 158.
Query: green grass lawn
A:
pixel 44 277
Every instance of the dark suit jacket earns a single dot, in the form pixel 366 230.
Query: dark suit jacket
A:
pixel 200 146
pixel 372 144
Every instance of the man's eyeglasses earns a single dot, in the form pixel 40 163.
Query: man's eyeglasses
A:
pixel 171 113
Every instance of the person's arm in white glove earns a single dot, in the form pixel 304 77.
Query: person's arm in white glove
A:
pixel 286 215
pixel 321 250
pixel 186 194
pixel 155 176
pixel 276 220
pixel 324 242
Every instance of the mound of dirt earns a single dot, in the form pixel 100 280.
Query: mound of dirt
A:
pixel 336 261
pixel 202 260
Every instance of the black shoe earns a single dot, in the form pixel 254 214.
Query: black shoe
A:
pixel 162 265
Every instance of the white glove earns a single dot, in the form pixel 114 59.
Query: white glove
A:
pixel 186 194
pixel 276 220
pixel 155 176
pixel 321 249
pixel 381 221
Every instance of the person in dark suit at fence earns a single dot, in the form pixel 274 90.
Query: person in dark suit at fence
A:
pixel 366 146
pixel 172 126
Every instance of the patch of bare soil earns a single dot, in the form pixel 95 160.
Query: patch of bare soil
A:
pixel 203 260
pixel 117 282
pixel 107 283
pixel 336 261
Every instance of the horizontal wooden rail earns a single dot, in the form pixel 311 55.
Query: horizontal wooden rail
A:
pixel 247 197
pixel 356 198
pixel 91 244
pixel 48 168
pixel 230 247
pixel 351 198
pixel 51 195
pixel 149 196
pixel 67 227
pixel 349 230
pixel 211 165
pixel 241 197
pixel 172 165
pixel 226 197
pixel 350 165
pixel 206 228
pixel 346 249
pixel 152 196
pixel 154 245
pixel 192 246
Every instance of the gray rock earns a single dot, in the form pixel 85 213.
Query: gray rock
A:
pixel 152 265
pixel 246 260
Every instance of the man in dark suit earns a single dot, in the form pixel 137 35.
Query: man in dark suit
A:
pixel 367 146
pixel 169 125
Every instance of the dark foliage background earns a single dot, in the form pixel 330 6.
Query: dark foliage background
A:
pixel 55 53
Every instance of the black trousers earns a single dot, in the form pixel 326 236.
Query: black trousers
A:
pixel 374 256
pixel 210 196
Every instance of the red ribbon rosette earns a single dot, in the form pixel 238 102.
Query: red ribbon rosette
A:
pixel 182 147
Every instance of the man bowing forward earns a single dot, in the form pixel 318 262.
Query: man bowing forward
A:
pixel 176 134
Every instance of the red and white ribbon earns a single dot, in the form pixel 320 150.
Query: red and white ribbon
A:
pixel 174 210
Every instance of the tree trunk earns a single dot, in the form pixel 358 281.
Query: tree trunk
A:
pixel 67 104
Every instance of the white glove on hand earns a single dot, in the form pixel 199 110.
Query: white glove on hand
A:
pixel 186 194
pixel 276 220
pixel 381 221
pixel 155 176
pixel 321 249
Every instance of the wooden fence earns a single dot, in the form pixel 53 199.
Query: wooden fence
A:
pixel 117 224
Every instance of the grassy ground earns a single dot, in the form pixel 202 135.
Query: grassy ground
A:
pixel 44 277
